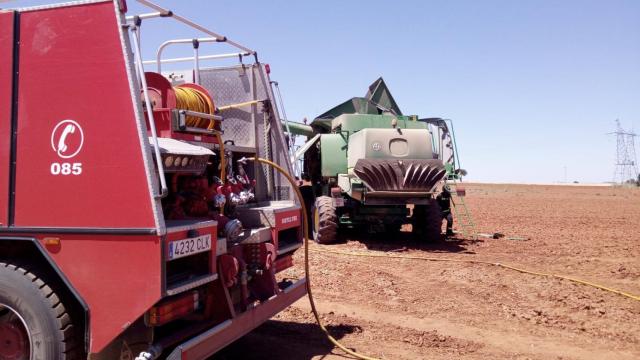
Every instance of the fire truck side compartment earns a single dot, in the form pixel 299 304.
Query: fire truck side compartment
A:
pixel 6 106
pixel 73 66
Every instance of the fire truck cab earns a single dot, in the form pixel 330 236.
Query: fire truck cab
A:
pixel 128 227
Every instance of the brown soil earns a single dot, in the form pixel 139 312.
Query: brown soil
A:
pixel 408 309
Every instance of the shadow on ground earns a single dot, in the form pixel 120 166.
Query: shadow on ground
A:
pixel 285 340
pixel 403 240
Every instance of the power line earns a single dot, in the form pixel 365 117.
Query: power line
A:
pixel 626 164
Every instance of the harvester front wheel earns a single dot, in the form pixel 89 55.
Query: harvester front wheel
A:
pixel 325 220
pixel 427 221
pixel 34 323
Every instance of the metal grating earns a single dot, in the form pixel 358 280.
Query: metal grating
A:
pixel 400 174
pixel 283 192
pixel 232 85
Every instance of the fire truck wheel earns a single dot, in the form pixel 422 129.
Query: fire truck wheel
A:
pixel 34 323
pixel 325 220
pixel 427 221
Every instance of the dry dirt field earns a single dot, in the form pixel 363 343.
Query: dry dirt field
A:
pixel 408 309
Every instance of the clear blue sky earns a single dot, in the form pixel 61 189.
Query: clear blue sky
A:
pixel 532 86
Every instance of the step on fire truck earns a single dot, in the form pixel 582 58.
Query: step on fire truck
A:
pixel 128 227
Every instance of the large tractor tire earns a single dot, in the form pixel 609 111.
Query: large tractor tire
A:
pixel 34 323
pixel 325 220
pixel 427 221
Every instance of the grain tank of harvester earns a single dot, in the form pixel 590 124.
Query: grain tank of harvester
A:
pixel 372 166
pixel 128 227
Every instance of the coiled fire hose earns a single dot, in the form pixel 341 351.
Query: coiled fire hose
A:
pixel 193 99
pixel 305 227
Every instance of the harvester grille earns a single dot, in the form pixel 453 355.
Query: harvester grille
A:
pixel 400 175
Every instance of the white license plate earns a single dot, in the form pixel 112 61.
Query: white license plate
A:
pixel 190 246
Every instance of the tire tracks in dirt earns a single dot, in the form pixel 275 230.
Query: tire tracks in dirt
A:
pixel 501 341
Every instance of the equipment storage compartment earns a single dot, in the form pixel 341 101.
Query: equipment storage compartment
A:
pixel 190 254
pixel 282 217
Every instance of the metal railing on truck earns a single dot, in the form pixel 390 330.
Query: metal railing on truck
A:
pixel 135 23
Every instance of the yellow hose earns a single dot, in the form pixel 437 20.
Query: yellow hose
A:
pixel 578 281
pixel 223 161
pixel 305 228
pixel 238 105
pixel 192 99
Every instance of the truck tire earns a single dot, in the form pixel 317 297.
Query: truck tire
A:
pixel 34 323
pixel 325 220
pixel 427 221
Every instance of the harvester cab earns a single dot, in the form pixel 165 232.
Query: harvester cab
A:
pixel 372 165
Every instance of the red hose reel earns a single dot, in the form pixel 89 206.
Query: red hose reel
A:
pixel 167 101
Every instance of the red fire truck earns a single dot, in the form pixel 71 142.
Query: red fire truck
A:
pixel 128 227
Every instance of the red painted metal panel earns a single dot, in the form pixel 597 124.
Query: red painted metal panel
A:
pixel 283 263
pixel 288 219
pixel 6 89
pixel 118 277
pixel 79 156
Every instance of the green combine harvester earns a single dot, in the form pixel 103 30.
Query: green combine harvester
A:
pixel 373 167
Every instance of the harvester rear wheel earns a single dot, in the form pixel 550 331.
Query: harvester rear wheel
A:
pixel 34 323
pixel 427 221
pixel 325 220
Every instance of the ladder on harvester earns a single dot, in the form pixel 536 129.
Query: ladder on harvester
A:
pixel 453 175
pixel 460 211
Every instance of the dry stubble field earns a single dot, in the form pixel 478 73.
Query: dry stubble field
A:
pixel 408 309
